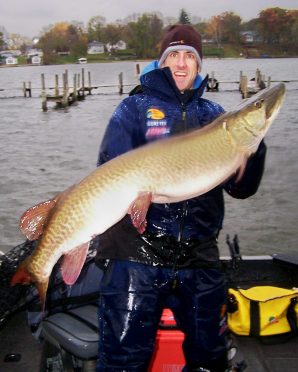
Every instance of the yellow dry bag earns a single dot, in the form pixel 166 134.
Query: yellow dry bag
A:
pixel 263 311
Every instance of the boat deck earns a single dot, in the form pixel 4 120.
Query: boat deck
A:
pixel 268 358
pixel 16 338
pixel 20 351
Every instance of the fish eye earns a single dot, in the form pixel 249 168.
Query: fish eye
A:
pixel 259 103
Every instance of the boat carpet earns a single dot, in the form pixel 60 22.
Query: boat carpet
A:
pixel 267 358
pixel 17 340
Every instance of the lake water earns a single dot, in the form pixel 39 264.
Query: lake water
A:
pixel 42 153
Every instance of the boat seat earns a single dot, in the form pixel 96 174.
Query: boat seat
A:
pixel 75 331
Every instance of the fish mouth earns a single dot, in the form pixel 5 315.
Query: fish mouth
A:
pixel 274 100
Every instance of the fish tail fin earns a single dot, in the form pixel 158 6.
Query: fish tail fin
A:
pixel 21 276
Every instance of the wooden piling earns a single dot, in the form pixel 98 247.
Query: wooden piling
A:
pixel 56 85
pixel 27 89
pixel 89 83
pixel 258 77
pixel 43 94
pixel 65 89
pixel 240 80
pixel 243 86
pixel 269 81
pixel 79 81
pixel 83 83
pixel 75 88
pixel 120 79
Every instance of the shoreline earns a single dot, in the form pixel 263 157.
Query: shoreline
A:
pixel 142 60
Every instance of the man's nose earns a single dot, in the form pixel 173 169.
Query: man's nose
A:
pixel 181 62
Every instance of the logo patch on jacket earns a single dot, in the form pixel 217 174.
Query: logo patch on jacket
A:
pixel 155 114
pixel 156 123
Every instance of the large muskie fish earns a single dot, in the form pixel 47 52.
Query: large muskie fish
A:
pixel 166 171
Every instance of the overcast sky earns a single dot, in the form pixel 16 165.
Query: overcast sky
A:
pixel 28 17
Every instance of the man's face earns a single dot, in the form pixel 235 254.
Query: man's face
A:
pixel 184 67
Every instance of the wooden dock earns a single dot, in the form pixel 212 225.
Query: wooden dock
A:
pixel 65 96
pixel 62 94
pixel 246 87
pixel 250 87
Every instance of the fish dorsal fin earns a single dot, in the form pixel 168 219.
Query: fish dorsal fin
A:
pixel 139 209
pixel 73 262
pixel 33 220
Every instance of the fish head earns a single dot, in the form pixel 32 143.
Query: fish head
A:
pixel 249 123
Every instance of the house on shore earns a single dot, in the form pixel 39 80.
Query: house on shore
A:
pixel 11 60
pixel 96 47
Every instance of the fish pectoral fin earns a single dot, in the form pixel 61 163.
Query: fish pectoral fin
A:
pixel 241 171
pixel 33 220
pixel 139 209
pixel 73 262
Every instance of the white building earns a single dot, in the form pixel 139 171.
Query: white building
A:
pixel 36 60
pixel 11 61
pixel 120 45
pixel 96 47
pixel 34 52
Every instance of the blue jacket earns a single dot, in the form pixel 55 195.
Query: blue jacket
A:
pixel 157 109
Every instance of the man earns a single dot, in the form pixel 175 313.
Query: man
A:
pixel 175 262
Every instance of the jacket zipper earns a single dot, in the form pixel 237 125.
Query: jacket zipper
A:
pixel 181 227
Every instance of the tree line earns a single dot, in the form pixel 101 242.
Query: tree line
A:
pixel 274 26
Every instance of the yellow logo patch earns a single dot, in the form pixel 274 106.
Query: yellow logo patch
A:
pixel 155 114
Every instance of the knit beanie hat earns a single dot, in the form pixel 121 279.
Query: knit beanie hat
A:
pixel 181 37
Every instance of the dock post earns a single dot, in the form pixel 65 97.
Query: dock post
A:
pixel 65 89
pixel 43 94
pixel 24 89
pixel 269 81
pixel 137 69
pixel 89 82
pixel 212 79
pixel 74 94
pixel 56 85
pixel 120 77
pixel 240 80
pixel 83 82
pixel 244 90
pixel 79 81
pixel 258 77
pixel 27 90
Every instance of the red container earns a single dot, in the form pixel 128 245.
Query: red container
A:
pixel 168 355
